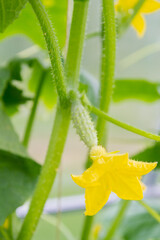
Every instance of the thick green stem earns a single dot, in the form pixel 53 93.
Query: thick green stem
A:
pixel 107 62
pixel 107 77
pixel 88 221
pixel 48 173
pixel 125 26
pixel 53 49
pixel 60 127
pixel 116 222
pixel 76 40
pixel 59 132
pixel 33 112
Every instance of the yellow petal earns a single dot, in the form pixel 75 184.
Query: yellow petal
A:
pixel 143 186
pixel 116 161
pixel 150 6
pixel 126 187
pixel 139 24
pixel 96 198
pixel 91 175
pixel 137 168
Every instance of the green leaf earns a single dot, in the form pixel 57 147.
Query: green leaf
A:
pixel 13 96
pixel 142 90
pixel 11 90
pixel 18 177
pixel 18 173
pixel 8 138
pixel 141 226
pixel 137 224
pixel 9 10
pixel 150 154
pixel 124 89
pixel 15 66
pixel 48 93
pixel 4 78
pixel 27 23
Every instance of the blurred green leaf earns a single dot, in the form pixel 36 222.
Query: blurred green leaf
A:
pixel 4 78
pixel 136 89
pixel 18 173
pixel 14 67
pixel 14 96
pixel 141 226
pixel 137 224
pixel 150 154
pixel 18 177
pixel 124 89
pixel 27 23
pixel 9 10
pixel 11 91
pixel 48 93
pixel 8 138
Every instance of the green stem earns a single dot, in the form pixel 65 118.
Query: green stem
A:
pixel 76 40
pixel 60 128
pixel 87 225
pixel 108 62
pixel 62 227
pixel 53 49
pixel 92 35
pixel 150 210
pixel 59 132
pixel 107 77
pixel 116 222
pixel 10 227
pixel 48 173
pixel 4 234
pixel 136 9
pixel 123 125
pixel 33 112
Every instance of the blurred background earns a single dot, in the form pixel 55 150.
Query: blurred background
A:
pixel 136 58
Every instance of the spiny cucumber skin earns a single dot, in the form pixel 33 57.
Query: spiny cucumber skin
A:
pixel 83 124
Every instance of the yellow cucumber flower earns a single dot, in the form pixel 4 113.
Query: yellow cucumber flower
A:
pixel 139 24
pixel 111 172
